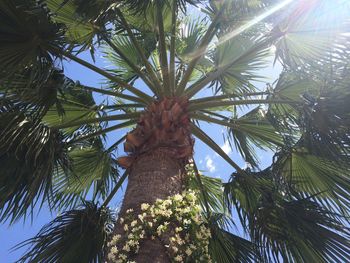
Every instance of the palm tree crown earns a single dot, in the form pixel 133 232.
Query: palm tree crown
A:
pixel 176 64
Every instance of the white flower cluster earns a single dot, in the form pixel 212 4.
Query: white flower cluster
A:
pixel 175 221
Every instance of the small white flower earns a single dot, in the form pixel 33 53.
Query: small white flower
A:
pixel 133 223
pixel 178 197
pixel 116 238
pixel 187 222
pixel 126 228
pixel 111 257
pixel 178 229
pixel 144 206
pixel 140 217
pixel 126 248
pixel 188 252
pixel 114 250
pixel 178 258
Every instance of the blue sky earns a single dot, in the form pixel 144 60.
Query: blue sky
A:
pixel 210 163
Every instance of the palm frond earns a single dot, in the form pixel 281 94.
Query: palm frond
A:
pixel 307 34
pixel 123 68
pixel 238 78
pixel 252 55
pixel 189 36
pixel 239 12
pixel 30 91
pixel 244 191
pixel 318 123
pixel 139 6
pixel 29 153
pixel 210 192
pixel 326 180
pixel 300 230
pixel 27 36
pixel 225 247
pixel 92 170
pixel 78 235
pixel 73 103
pixel 78 30
pixel 256 127
pixel 146 22
pixel 248 132
pixel 286 226
pixel 325 124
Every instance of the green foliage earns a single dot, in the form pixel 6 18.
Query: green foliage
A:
pixel 32 91
pixel 283 224
pixel 226 247
pixel 77 30
pixel 28 36
pixel 53 134
pixel 92 168
pixel 78 235
pixel 139 6
pixel 238 77
pixel 29 153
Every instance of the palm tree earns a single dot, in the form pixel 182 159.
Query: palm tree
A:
pixel 177 64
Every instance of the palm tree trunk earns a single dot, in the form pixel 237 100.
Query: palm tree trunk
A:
pixel 154 175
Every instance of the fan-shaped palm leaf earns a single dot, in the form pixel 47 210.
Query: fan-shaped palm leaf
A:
pixel 27 36
pixel 29 153
pixel 92 170
pixel 78 235
pixel 285 226
pixel 307 34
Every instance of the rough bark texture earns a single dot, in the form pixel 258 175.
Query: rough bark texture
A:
pixel 156 174
pixel 164 123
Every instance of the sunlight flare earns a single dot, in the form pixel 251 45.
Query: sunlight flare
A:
pixel 253 22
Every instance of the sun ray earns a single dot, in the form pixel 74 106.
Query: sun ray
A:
pixel 253 22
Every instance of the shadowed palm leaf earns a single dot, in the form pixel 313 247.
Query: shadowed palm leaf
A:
pixel 29 153
pixel 78 235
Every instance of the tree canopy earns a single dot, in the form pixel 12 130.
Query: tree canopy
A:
pixel 170 59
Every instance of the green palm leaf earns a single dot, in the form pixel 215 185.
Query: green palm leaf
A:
pixel 73 104
pixel 27 36
pixel 78 30
pixel 30 91
pixel 29 153
pixel 284 225
pixel 139 6
pixel 300 230
pixel 238 77
pixel 210 192
pixel 313 175
pixel 307 34
pixel 78 235
pixel 126 50
pixel 248 132
pixel 224 247
pixel 92 170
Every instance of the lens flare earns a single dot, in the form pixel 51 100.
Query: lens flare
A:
pixel 253 22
